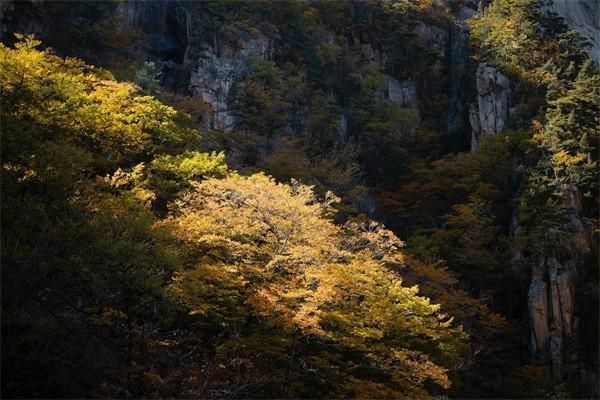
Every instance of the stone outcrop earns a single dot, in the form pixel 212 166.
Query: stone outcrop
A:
pixel 437 41
pixel 164 23
pixel 217 70
pixel 374 54
pixel 551 309
pixel 368 52
pixel 489 114
pixel 537 300
pixel 404 93
pixel 551 297
pixel 5 8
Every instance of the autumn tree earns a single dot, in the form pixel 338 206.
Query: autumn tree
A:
pixel 83 265
pixel 300 274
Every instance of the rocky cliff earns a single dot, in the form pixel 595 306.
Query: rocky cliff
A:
pixel 217 70
pixel 552 292
pixel 211 67
pixel 489 114
pixel 582 16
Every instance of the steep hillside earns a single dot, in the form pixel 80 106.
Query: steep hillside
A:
pixel 469 130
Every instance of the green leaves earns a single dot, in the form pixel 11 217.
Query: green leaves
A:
pixel 167 175
pixel 571 132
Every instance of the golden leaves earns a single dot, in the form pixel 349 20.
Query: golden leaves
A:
pixel 301 272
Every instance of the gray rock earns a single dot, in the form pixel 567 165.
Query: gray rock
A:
pixel 582 16
pixel 404 93
pixel 490 113
pixel 368 52
pixel 367 204
pixel 465 13
pixel 5 6
pixel 458 61
pixel 216 72
pixel 561 293
pixel 26 25
pixel 538 310
pixel 374 54
pixel 551 296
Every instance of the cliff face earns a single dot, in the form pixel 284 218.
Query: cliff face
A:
pixel 582 16
pixel 553 296
pixel 165 26
pixel 214 67
pixel 211 69
pixel 404 93
pixel 217 70
pixel 489 114
pixel 217 66
pixel 5 6
pixel 552 292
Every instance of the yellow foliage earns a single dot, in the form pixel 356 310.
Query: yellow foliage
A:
pixel 296 269
pixel 563 159
pixel 84 105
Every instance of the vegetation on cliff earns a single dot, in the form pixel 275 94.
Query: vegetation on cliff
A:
pixel 154 245
pixel 153 268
